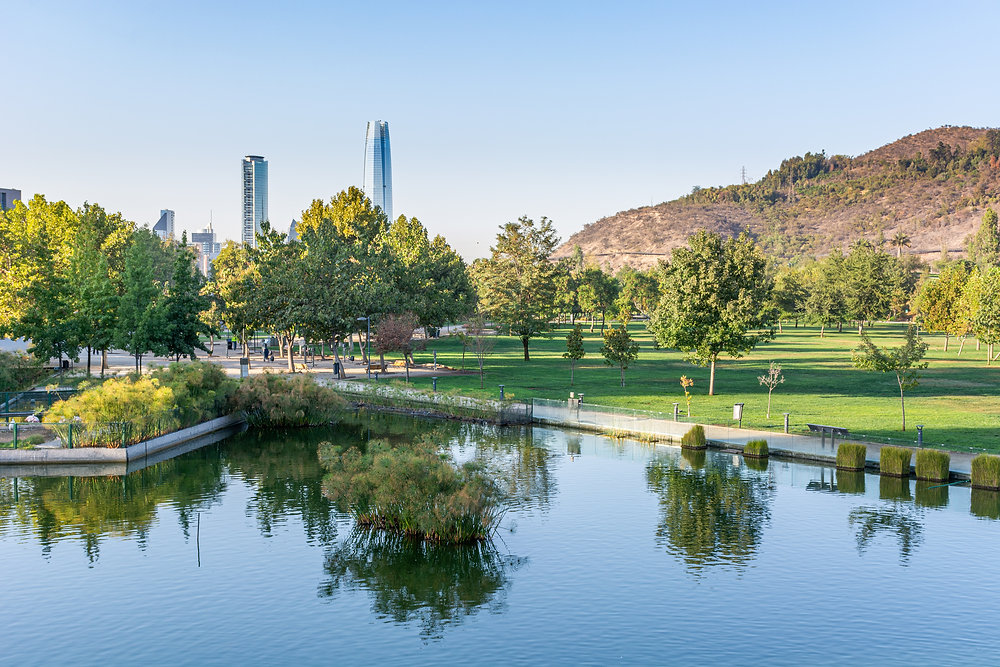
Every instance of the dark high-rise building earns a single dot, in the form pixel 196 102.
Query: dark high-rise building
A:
pixel 377 182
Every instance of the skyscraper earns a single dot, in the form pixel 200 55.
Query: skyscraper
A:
pixel 209 247
pixel 378 166
pixel 254 197
pixel 164 227
pixel 8 197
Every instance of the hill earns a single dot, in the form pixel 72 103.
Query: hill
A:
pixel 932 186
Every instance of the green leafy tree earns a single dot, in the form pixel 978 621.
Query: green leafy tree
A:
pixel 940 305
pixel 234 283
pixel 982 303
pixel 574 350
pixel 140 320
pixel 867 283
pixel 619 350
pixel 716 299
pixel 183 305
pixel 789 295
pixel 517 284
pixel 827 302
pixel 984 247
pixel 283 296
pixel 639 292
pixel 597 292
pixel 903 361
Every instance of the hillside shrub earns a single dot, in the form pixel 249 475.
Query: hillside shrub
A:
pixel 851 481
pixel 986 472
pixel 895 461
pixel 851 456
pixel 18 371
pixel 201 390
pixel 695 438
pixel 756 449
pixel 933 465
pixel 279 401
pixel 413 489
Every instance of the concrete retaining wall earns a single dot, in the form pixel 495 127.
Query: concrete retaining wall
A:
pixel 136 452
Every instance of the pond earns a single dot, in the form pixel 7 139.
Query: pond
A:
pixel 614 552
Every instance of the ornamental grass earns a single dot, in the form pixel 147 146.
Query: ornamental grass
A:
pixel 933 465
pixel 756 449
pixel 895 461
pixel 270 400
pixel 695 438
pixel 851 456
pixel 986 472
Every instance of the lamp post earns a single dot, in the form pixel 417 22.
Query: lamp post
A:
pixel 368 345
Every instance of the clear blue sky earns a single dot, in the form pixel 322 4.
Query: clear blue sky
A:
pixel 571 110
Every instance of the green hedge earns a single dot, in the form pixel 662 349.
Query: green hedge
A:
pixel 851 456
pixel 986 472
pixel 933 465
pixel 895 461
pixel 695 438
pixel 756 449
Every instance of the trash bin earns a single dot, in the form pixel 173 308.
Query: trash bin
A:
pixel 244 367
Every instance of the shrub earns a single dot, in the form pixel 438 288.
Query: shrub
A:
pixel 278 401
pixel 850 481
pixel 756 449
pixel 415 490
pixel 695 438
pixel 986 472
pixel 895 461
pixel 18 371
pixel 201 390
pixel 933 465
pixel 851 456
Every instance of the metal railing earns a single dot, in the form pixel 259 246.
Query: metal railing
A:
pixel 33 402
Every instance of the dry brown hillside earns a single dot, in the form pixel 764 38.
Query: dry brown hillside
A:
pixel 932 187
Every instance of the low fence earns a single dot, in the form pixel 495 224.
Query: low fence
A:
pixel 24 403
pixel 15 435
pixel 112 434
pixel 463 407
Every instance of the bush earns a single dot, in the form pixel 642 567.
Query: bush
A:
pixel 201 390
pixel 756 449
pixel 850 481
pixel 18 371
pixel 851 456
pixel 933 465
pixel 415 490
pixel 278 401
pixel 986 472
pixel 695 438
pixel 895 461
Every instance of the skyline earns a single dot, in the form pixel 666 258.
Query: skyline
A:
pixel 568 111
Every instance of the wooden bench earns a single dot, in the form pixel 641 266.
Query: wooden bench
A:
pixel 822 429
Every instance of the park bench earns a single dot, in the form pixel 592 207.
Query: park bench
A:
pixel 822 429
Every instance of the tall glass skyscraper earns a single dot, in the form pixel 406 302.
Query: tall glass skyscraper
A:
pixel 378 166
pixel 254 197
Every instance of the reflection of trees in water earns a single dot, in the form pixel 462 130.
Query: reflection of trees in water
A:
pixel 92 508
pixel 897 519
pixel 522 469
pixel 411 581
pixel 286 479
pixel 709 516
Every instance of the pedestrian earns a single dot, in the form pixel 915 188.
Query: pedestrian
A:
pixel 267 353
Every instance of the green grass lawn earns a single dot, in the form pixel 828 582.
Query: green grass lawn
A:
pixel 958 400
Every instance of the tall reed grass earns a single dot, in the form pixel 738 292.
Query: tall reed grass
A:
pixel 986 472
pixel 694 438
pixel 756 449
pixel 895 461
pixel 851 456
pixel 933 465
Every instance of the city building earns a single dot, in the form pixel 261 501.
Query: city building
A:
pixel 254 197
pixel 164 227
pixel 8 197
pixel 293 234
pixel 377 182
pixel 208 247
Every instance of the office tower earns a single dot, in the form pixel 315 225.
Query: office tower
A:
pixel 164 227
pixel 8 197
pixel 377 182
pixel 254 197
pixel 293 234
pixel 207 245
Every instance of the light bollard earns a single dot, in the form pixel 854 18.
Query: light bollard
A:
pixel 434 380
pixel 786 421
pixel 676 411
pixel 920 435
pixel 501 391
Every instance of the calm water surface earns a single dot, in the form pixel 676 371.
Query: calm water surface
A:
pixel 615 552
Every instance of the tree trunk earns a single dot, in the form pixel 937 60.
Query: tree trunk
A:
pixel 211 344
pixel 406 365
pixel 840 327
pixel 902 405
pixel 711 379
pixel 622 371
pixel 822 329
pixel 945 341
pixel 977 345
pixel 961 346
pixel 381 361
pixel 104 361
pixel 593 316
pixel 524 342
pixel 602 326
pixel 779 326
pixel 769 403
pixel 291 358
pixel 861 326
pixel 571 368
pixel 88 361
pixel 336 359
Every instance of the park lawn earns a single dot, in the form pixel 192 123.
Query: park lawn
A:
pixel 957 401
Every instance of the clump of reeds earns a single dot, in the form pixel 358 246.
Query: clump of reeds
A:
pixel 933 465
pixel 756 449
pixel 695 438
pixel 851 456
pixel 986 472
pixel 895 461
pixel 851 481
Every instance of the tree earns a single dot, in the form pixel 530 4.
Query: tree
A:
pixel 899 241
pixel 939 303
pixel 984 248
pixel 395 334
pixel 574 349
pixel 140 319
pixel 619 349
pixel 789 295
pixel 234 283
pixel 826 301
pixel 867 283
pixel 771 379
pixel 982 302
pixel 686 384
pixel 716 298
pixel 282 290
pixel 903 361
pixel 482 341
pixel 183 305
pixel 596 292
pixel 639 292
pixel 517 284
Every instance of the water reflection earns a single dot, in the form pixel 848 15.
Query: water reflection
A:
pixel 411 581
pixel 898 520
pixel 985 504
pixel 709 516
